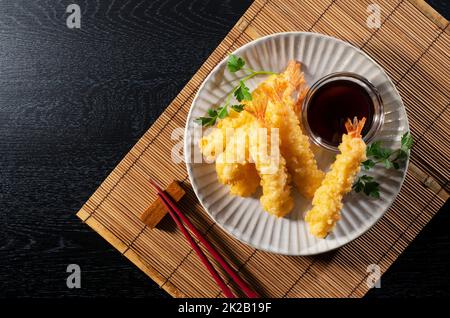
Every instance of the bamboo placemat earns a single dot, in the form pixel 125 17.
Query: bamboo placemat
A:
pixel 412 45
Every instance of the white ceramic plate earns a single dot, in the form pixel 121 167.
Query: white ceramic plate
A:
pixel 244 218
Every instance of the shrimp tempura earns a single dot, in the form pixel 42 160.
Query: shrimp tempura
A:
pixel 271 170
pixel 327 201
pixel 240 176
pixel 270 164
pixel 276 198
pixel 233 167
pixel 214 144
pixel 295 145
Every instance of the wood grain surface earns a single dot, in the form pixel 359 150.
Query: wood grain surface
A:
pixel 72 104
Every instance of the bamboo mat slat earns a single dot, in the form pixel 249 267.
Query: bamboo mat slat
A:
pixel 413 46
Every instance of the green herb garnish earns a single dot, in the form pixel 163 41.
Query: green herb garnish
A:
pixel 235 63
pixel 237 108
pixel 367 185
pixel 222 112
pixel 390 159
pixel 206 121
pixel 241 92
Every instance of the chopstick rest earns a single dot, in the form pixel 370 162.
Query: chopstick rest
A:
pixel 157 210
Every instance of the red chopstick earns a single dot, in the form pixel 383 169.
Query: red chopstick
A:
pixel 173 209
pixel 200 254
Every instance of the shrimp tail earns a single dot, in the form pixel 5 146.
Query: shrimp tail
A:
pixel 355 128
pixel 257 106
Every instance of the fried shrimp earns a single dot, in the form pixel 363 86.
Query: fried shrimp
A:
pixel 243 179
pixel 214 144
pixel 291 86
pixel 270 164
pixel 264 145
pixel 295 145
pixel 327 201
pixel 233 167
pixel 240 175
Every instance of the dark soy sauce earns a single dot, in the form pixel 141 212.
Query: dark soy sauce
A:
pixel 332 104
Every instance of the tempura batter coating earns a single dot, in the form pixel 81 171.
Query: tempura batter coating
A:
pixel 276 198
pixel 295 145
pixel 233 167
pixel 243 179
pixel 214 143
pixel 269 162
pixel 327 201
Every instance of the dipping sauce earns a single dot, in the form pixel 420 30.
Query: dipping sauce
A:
pixel 333 103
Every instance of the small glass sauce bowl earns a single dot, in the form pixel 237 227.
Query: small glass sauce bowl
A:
pixel 341 94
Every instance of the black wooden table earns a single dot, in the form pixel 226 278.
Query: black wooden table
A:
pixel 72 104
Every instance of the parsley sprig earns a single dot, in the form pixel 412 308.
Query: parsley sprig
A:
pixel 241 92
pixel 390 159
pixel 367 185
pixel 377 154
